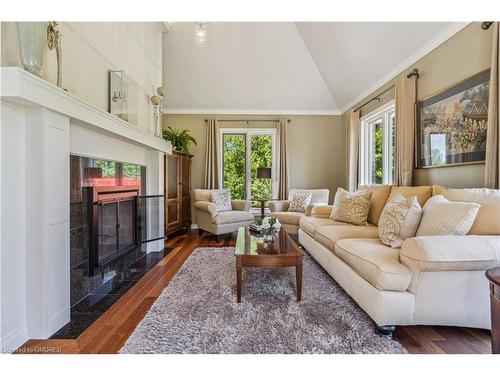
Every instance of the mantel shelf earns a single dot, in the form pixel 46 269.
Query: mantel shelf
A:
pixel 27 90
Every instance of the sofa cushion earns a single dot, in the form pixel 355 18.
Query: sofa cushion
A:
pixel 323 211
pixel 487 221
pixel 309 224
pixel 422 192
pixel 222 199
pixel 229 217
pixel 351 207
pixel 375 262
pixel 328 235
pixel 380 193
pixel 299 201
pixel 451 253
pixel 292 218
pixel 443 217
pixel 399 220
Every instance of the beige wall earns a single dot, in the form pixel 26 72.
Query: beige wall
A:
pixel 461 56
pixel 316 147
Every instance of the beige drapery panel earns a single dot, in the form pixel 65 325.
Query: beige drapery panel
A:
pixel 282 158
pixel 211 171
pixel 405 92
pixel 354 128
pixel 492 166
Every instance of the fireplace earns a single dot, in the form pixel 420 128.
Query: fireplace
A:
pixel 112 223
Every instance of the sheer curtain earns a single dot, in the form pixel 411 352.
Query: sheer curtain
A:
pixel 211 171
pixel 354 128
pixel 282 158
pixel 492 166
pixel 405 92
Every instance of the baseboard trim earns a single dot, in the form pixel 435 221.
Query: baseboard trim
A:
pixel 58 320
pixel 195 226
pixel 12 341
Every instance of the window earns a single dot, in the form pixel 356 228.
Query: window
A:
pixel 378 146
pixel 243 151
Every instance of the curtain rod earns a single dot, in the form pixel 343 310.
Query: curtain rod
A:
pixel 413 73
pixel 249 121
pixel 377 98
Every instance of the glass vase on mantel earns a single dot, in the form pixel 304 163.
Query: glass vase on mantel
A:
pixel 32 37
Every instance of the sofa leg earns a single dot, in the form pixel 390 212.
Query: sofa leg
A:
pixel 218 238
pixel 385 331
pixel 200 232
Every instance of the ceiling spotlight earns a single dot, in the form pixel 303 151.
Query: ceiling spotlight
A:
pixel 200 34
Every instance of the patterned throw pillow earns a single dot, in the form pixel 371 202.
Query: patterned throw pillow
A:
pixel 442 217
pixel 351 207
pixel 221 199
pixel 299 201
pixel 399 220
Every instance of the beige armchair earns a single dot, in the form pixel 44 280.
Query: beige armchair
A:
pixel 290 220
pixel 210 220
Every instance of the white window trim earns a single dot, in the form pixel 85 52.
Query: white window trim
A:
pixel 249 132
pixel 383 112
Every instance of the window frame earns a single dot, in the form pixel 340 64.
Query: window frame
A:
pixel 383 114
pixel 248 133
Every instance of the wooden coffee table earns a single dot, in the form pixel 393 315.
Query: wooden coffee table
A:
pixel 251 251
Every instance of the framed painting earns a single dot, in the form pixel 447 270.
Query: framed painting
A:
pixel 451 125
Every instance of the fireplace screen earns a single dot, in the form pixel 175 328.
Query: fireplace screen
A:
pixel 116 229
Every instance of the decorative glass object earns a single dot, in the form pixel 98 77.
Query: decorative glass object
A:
pixel 32 36
pixel 270 226
pixel 123 96
pixel 269 236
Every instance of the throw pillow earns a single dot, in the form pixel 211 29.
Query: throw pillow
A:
pixel 399 220
pixel 221 199
pixel 351 207
pixel 442 217
pixel 299 201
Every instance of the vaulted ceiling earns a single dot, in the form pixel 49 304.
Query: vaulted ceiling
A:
pixel 284 67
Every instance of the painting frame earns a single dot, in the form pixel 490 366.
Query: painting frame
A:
pixel 427 129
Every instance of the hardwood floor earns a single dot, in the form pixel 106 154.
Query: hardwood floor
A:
pixel 111 330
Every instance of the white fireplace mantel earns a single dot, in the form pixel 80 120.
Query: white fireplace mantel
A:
pixel 41 126
pixel 22 88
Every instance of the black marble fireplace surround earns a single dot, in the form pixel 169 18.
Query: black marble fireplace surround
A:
pixel 93 292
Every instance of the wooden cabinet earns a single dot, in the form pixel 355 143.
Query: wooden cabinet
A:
pixel 177 192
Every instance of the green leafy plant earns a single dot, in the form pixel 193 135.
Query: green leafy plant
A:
pixel 180 139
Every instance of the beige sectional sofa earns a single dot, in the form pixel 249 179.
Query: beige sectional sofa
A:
pixel 433 280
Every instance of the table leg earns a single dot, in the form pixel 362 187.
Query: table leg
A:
pixel 298 276
pixel 238 281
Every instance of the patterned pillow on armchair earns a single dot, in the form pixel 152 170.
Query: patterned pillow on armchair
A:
pixel 299 201
pixel 222 199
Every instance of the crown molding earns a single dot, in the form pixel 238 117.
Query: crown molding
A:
pixel 274 112
pixel 426 49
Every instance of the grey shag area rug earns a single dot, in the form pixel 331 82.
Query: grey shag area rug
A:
pixel 197 312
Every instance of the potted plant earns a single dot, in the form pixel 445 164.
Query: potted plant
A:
pixel 180 139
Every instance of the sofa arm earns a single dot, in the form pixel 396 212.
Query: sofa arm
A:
pixel 209 207
pixel 278 206
pixel 450 253
pixel 322 211
pixel 240 205
pixel 310 207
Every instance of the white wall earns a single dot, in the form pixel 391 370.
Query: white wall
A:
pixel 90 49
pixel 13 327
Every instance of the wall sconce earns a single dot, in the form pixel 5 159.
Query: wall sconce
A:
pixel 158 101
